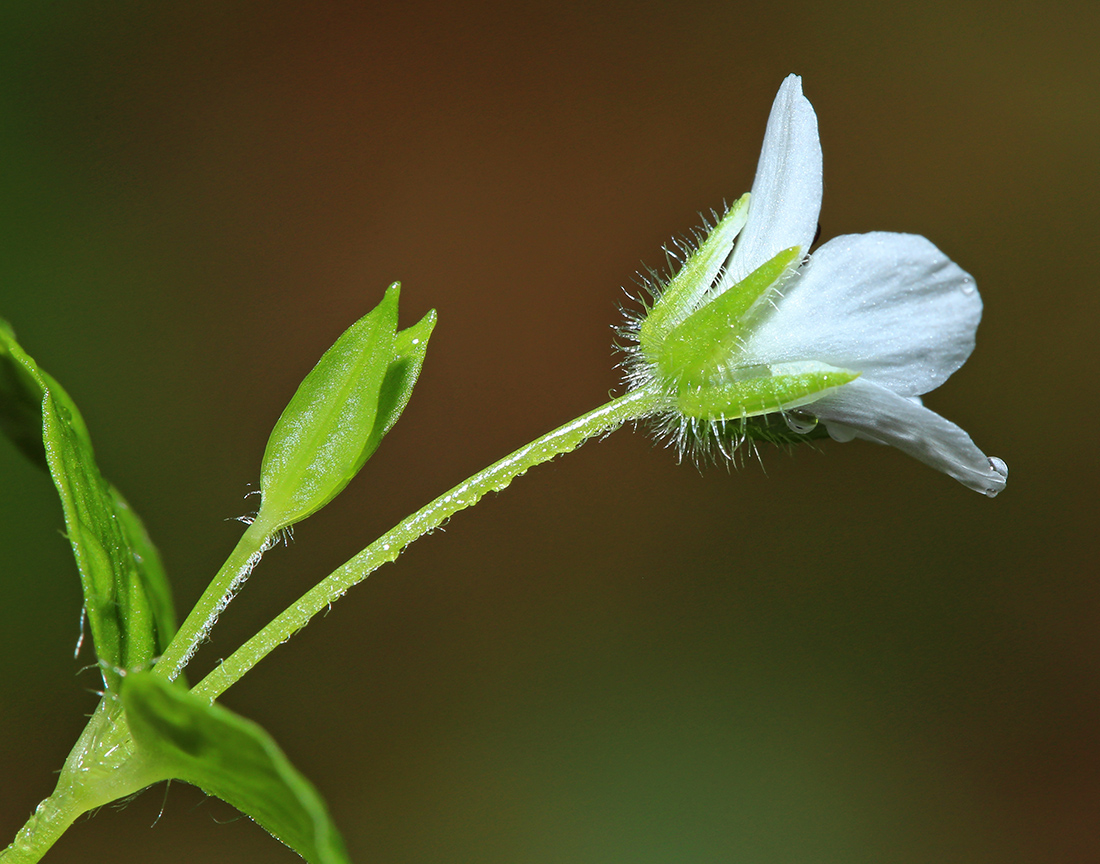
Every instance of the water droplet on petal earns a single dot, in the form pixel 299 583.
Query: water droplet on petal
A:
pixel 998 467
pixel 840 432
pixel 968 287
pixel 799 423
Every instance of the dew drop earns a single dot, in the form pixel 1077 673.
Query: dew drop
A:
pixel 969 288
pixel 798 423
pixel 998 467
pixel 840 432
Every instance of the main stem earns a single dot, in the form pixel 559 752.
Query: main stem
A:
pixel 50 820
pixel 497 476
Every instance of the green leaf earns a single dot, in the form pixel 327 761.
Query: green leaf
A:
pixel 22 386
pixel 126 593
pixel 150 570
pixel 230 757
pixel 339 413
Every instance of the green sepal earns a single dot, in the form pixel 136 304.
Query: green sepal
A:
pixel 773 428
pixel 327 431
pixel 409 347
pixel 127 597
pixel 183 737
pixel 700 348
pixel 765 391
pixel 719 439
pixel 685 290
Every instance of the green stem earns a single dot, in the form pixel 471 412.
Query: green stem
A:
pixel 244 557
pixel 50 820
pixel 607 418
pixel 101 767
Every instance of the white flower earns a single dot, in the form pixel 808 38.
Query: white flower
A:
pixel 850 336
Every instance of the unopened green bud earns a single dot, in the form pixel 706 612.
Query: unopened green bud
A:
pixel 340 412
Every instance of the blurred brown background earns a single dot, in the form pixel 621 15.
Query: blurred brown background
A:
pixel 847 658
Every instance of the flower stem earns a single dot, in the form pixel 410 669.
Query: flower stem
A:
pixel 244 557
pixel 496 477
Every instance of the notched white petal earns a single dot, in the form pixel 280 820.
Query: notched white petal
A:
pixel 786 194
pixel 877 414
pixel 892 306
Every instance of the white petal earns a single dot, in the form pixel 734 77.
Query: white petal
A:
pixel 877 414
pixel 891 306
pixel 786 194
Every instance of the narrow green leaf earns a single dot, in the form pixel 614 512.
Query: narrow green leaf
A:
pixel 323 437
pixel 232 758
pixel 22 386
pixel 126 593
pixel 150 570
pixel 20 400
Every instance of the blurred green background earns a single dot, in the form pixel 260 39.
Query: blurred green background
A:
pixel 848 658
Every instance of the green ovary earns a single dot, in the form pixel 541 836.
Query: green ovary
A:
pixel 764 394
